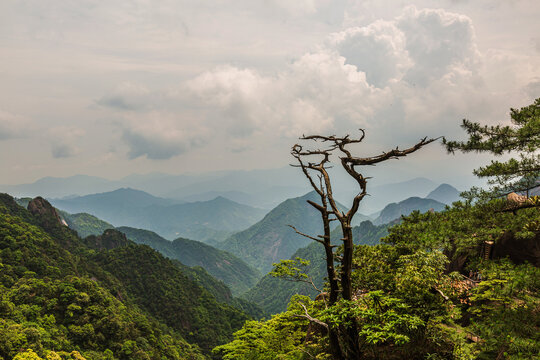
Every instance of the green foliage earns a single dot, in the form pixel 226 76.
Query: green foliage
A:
pixel 55 293
pixel 293 270
pixel 383 320
pixel 281 337
pixel 521 138
pixel 159 287
pixel 461 229
pixel 85 224
pixel 505 311
pixel 233 271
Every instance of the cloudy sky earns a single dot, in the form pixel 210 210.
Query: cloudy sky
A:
pixel 110 88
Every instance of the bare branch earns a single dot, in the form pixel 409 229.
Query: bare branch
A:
pixel 392 154
pixel 442 294
pixel 311 318
pixel 306 235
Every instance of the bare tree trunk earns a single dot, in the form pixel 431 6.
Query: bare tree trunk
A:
pixel 344 342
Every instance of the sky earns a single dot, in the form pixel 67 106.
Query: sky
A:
pixel 111 88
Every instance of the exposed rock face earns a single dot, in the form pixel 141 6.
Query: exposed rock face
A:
pixel 110 239
pixel 42 209
pixel 518 250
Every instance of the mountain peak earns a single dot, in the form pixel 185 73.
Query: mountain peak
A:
pixel 45 211
pixel 444 193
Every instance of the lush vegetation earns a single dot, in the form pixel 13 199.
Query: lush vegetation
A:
pixel 463 283
pixel 460 284
pixel 85 224
pixel 234 272
pixel 65 299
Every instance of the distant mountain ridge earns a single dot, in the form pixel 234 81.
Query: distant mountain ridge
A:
pixel 394 211
pixel 444 193
pixel 204 220
pixel 265 188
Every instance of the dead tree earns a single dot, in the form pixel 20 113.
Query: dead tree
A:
pixel 319 186
pixel 348 339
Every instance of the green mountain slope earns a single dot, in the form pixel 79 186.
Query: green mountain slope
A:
pixel 85 224
pixel 48 302
pixel 59 293
pixel 234 272
pixel 271 239
pixel 273 294
pixel 204 220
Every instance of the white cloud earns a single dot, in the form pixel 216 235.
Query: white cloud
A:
pixel 308 97
pixel 419 69
pixel 438 42
pixel 159 135
pixel 378 49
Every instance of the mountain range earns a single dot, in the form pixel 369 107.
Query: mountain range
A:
pixel 271 239
pixel 258 188
pixel 211 220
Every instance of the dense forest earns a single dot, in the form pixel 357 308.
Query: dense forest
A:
pixel 459 282
pixel 98 298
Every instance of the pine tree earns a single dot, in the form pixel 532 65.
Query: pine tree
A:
pixel 521 139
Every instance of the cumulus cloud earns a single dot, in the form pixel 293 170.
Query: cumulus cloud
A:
pixel 438 43
pixel 419 69
pixel 309 96
pixel 378 49
pixel 160 136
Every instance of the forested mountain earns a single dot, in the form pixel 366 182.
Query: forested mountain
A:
pixel 394 211
pixel 271 239
pixel 233 271
pixel 273 294
pixel 205 220
pixel 85 224
pixel 129 302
